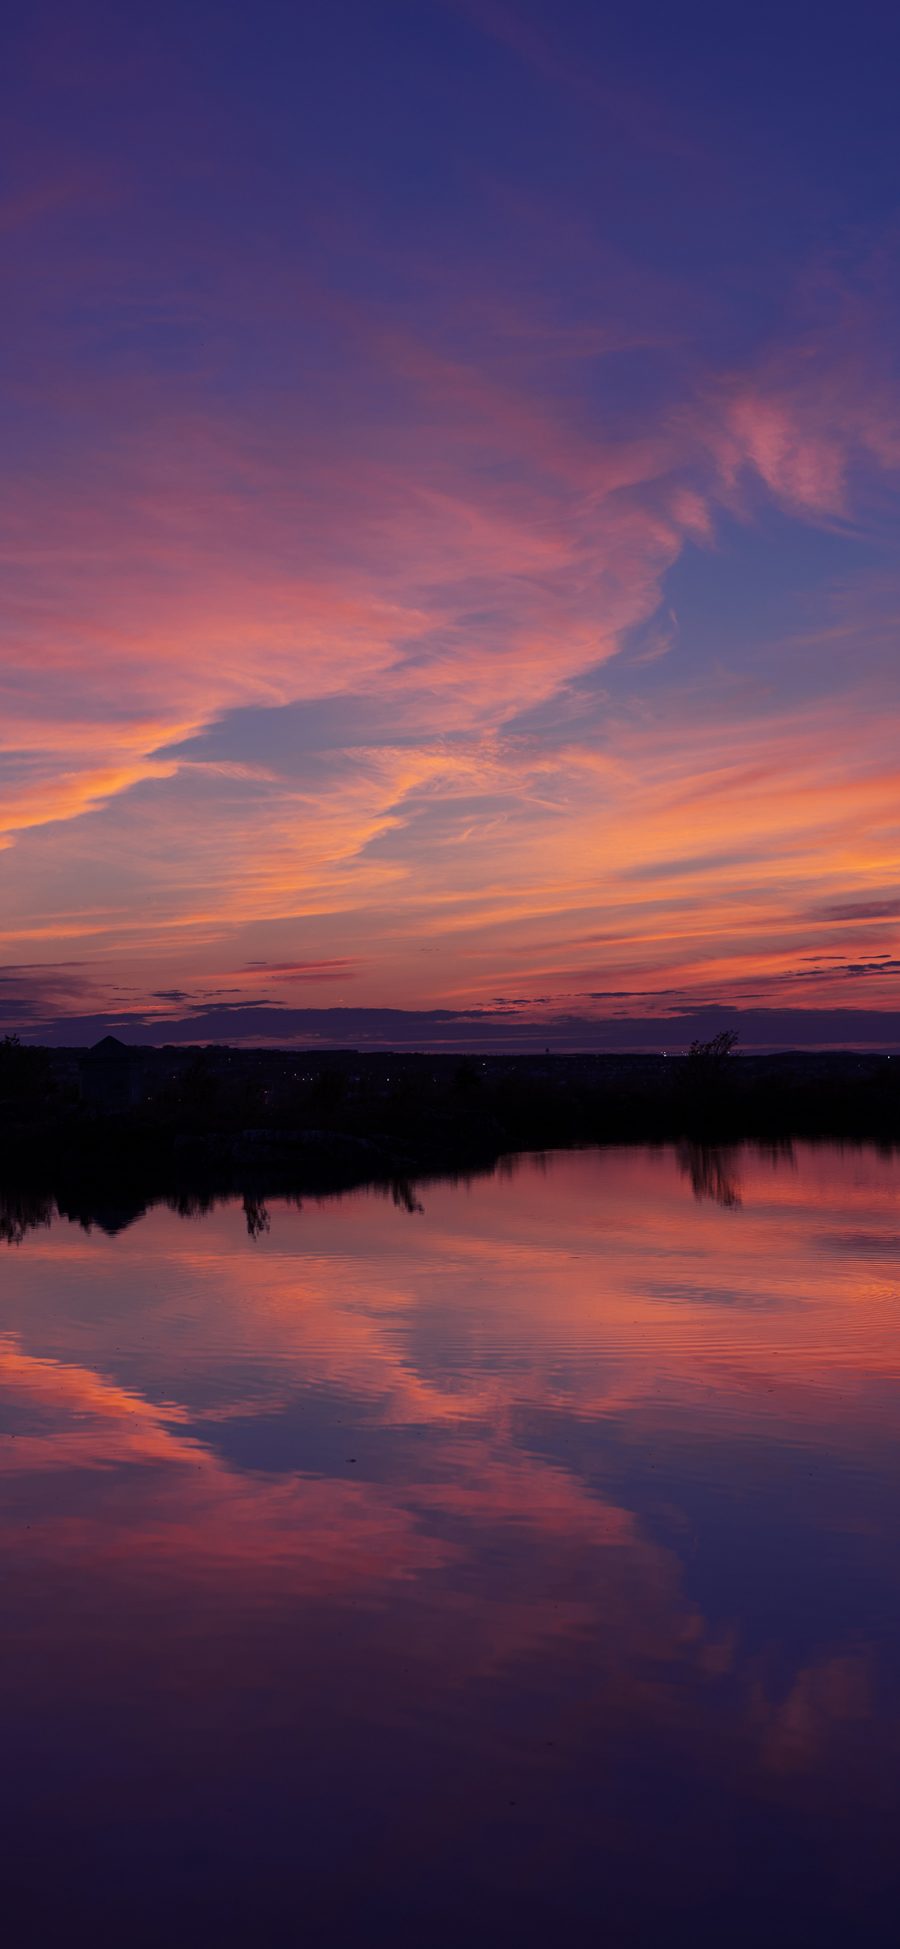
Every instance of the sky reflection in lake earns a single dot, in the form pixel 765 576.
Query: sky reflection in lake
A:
pixel 523 1564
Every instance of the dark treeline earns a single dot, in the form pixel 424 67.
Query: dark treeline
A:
pixel 195 1123
pixel 111 1203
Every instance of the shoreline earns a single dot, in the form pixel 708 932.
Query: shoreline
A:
pixel 257 1124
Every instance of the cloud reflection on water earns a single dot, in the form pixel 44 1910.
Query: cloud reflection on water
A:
pixel 499 1500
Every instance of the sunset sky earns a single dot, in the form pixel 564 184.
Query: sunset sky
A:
pixel 449 560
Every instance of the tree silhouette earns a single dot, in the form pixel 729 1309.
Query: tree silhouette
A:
pixel 711 1054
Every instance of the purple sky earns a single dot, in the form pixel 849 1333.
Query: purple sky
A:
pixel 448 487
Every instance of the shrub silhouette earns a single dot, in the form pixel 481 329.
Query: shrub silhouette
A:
pixel 709 1056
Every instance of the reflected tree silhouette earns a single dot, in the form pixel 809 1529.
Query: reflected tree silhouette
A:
pixel 403 1195
pixel 256 1214
pixel 192 1204
pixel 22 1212
pixel 713 1172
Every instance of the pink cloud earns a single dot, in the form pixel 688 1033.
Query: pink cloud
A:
pixel 477 551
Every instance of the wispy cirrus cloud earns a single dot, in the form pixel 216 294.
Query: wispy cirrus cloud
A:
pixel 381 611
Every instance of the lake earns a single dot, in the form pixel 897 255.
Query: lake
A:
pixel 518 1568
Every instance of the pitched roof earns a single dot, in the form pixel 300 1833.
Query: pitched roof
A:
pixel 110 1046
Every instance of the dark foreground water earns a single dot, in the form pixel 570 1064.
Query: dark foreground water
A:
pixel 524 1569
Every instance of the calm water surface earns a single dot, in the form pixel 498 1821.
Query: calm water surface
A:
pixel 523 1569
